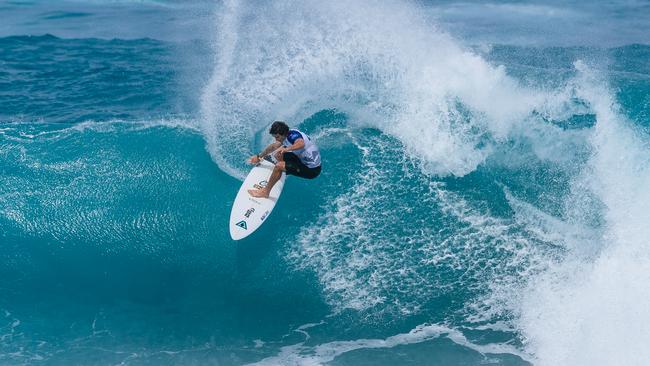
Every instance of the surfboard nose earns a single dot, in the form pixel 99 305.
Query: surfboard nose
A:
pixel 239 230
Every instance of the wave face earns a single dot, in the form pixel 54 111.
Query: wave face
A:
pixel 483 196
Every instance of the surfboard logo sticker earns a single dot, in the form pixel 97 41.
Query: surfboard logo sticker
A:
pixel 264 215
pixel 261 184
pixel 249 212
pixel 242 224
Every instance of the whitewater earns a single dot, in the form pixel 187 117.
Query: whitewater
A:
pixel 483 197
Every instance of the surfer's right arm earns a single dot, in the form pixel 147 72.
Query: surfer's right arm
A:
pixel 257 158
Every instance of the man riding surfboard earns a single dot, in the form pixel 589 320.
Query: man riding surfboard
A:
pixel 296 155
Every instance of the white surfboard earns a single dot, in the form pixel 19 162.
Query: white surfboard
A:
pixel 248 212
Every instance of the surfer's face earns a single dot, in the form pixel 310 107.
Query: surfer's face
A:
pixel 278 137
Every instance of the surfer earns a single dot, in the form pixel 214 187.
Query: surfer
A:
pixel 295 152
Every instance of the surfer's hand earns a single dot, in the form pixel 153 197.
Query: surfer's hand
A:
pixel 279 152
pixel 254 159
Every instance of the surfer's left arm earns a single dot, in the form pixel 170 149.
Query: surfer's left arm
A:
pixel 257 158
pixel 299 144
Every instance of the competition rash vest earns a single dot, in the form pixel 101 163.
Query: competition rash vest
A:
pixel 308 155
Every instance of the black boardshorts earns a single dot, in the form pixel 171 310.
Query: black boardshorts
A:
pixel 294 166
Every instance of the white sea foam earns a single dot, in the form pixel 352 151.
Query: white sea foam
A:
pixel 364 263
pixel 299 354
pixel 595 312
pixel 54 131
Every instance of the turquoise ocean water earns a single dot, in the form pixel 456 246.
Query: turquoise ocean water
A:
pixel 484 196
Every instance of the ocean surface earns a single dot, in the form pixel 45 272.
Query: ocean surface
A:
pixel 484 196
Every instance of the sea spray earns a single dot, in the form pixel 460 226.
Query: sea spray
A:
pixel 591 311
pixel 418 84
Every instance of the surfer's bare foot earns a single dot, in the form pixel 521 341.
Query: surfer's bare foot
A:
pixel 259 193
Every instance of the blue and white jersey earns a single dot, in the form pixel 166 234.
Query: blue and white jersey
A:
pixel 308 155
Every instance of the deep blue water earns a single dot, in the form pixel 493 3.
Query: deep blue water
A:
pixel 483 197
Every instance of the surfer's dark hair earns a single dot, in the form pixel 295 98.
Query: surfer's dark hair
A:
pixel 279 128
